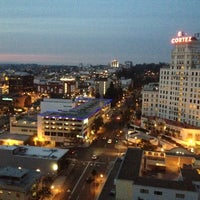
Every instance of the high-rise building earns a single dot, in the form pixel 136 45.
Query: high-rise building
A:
pixel 179 84
pixel 179 87
pixel 177 112
pixel 115 63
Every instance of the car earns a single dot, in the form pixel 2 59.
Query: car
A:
pixel 112 192
pixel 94 157
pixel 109 141
pixel 72 152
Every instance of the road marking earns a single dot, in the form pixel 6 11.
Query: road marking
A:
pixel 80 178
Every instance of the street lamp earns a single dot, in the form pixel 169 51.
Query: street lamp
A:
pixel 135 138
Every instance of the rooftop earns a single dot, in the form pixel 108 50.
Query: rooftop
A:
pixel 15 179
pixel 80 112
pixel 151 87
pixel 156 176
pixel 12 172
pixel 132 161
pixel 37 152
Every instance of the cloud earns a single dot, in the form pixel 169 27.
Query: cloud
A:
pixel 27 58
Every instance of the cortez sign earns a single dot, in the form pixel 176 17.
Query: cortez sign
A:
pixel 181 38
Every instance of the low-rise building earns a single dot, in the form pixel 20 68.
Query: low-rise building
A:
pixel 72 127
pixel 149 175
pixel 52 104
pixel 26 125
pixel 48 161
pixel 150 99
pixel 18 183
pixel 184 134
pixel 14 139
pixel 20 82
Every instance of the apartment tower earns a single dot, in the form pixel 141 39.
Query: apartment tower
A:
pixel 179 84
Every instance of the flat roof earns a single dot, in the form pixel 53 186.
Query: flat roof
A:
pixel 12 172
pixel 130 166
pixel 29 119
pixel 161 183
pixel 19 180
pixel 81 112
pixel 37 152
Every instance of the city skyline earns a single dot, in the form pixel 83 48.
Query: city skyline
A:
pixel 92 32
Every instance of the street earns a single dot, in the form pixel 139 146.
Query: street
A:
pixel 85 175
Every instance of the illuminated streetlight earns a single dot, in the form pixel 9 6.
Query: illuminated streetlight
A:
pixel 55 167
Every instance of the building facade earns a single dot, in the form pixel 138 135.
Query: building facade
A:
pixel 23 125
pixel 50 87
pixel 149 175
pixel 150 94
pixel 52 104
pixel 174 109
pixel 20 82
pixel 47 161
pixel 179 85
pixel 72 127
pixel 70 86
pixel 101 85
pixel 18 183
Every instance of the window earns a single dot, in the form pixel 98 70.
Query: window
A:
pixel 60 134
pixel 144 191
pixel 157 192
pixel 46 133
pixel 53 134
pixel 180 196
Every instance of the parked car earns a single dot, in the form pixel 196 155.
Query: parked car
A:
pixel 109 141
pixel 94 157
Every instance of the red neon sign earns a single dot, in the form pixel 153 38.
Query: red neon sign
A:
pixel 181 40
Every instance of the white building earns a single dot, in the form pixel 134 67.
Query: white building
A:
pixel 150 94
pixel 179 85
pixel 115 63
pixel 23 125
pixel 148 175
pixel 175 107
pixel 49 104
pixel 72 127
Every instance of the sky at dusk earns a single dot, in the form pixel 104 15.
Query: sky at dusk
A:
pixel 93 31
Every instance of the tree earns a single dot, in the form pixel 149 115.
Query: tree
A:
pixel 94 172
pixel 27 101
pixel 114 93
pixel 97 123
